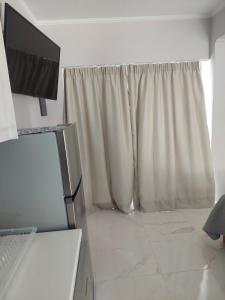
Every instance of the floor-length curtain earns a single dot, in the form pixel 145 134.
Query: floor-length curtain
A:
pixel 97 100
pixel 171 146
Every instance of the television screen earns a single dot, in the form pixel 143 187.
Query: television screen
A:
pixel 33 59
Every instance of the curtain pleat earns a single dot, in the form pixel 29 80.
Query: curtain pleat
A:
pixel 174 165
pixel 97 100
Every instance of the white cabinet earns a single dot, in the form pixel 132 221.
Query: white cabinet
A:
pixel 8 128
pixel 48 270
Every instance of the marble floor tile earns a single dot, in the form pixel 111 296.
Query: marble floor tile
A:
pixel 183 255
pixel 138 244
pixel 157 218
pixel 196 285
pixel 196 217
pixel 174 231
pixel 201 211
pixel 140 288
pixel 218 265
pixel 117 233
pixel 111 263
pixel 207 243
pixel 144 267
pixel 155 256
pixel 116 263
pixel 100 222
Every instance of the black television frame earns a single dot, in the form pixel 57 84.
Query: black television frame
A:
pixel 42 101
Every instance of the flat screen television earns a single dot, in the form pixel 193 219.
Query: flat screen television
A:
pixel 33 59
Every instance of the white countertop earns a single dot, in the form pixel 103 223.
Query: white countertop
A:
pixel 48 270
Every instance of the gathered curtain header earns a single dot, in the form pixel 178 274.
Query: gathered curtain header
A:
pixel 138 68
pixel 167 67
pixel 95 71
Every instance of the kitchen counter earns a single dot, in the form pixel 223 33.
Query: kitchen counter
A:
pixel 48 270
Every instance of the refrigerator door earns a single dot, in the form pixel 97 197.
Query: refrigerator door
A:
pixel 69 159
pixel 31 191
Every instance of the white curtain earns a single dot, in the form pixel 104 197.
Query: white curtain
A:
pixel 8 129
pixel 143 135
pixel 97 100
pixel 173 157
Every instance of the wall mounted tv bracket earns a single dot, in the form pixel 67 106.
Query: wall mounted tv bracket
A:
pixel 43 107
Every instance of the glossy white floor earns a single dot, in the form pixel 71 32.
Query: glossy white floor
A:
pixel 155 256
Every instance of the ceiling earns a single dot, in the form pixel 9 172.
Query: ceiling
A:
pixel 50 10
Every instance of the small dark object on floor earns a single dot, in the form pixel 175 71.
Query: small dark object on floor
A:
pixel 215 224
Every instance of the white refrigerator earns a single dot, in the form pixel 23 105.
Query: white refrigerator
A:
pixel 40 179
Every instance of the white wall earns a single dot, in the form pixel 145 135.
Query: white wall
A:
pixel 218 120
pixel 27 108
pixel 143 41
pixel 113 42
pixel 218 131
pixel 126 42
pixel 21 7
pixel 218 28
